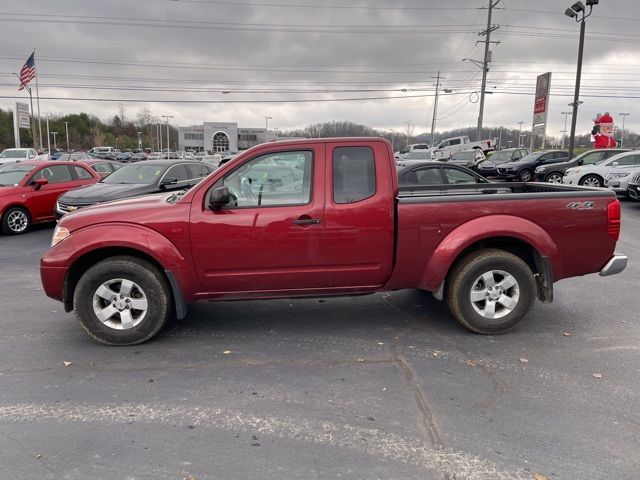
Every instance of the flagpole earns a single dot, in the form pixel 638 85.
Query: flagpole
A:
pixel 33 130
pixel 38 100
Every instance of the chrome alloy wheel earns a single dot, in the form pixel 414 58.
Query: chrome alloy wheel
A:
pixel 525 176
pixel 591 182
pixel 120 304
pixel 495 294
pixel 554 178
pixel 17 221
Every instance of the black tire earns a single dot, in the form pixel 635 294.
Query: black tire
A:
pixel 11 216
pixel 151 284
pixel 462 282
pixel 554 177
pixel 593 178
pixel 525 175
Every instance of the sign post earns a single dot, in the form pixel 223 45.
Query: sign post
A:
pixel 541 107
pixel 21 119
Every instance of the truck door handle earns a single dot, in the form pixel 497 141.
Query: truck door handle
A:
pixel 305 220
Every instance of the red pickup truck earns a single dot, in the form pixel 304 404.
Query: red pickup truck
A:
pixel 313 218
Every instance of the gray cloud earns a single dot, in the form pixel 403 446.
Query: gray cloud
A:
pixel 400 60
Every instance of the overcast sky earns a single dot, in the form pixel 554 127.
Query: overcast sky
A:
pixel 260 50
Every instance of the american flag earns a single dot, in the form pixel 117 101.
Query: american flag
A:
pixel 28 71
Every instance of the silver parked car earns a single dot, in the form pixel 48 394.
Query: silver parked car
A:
pixel 618 181
pixel 467 158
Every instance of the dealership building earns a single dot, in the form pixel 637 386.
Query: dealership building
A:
pixel 220 137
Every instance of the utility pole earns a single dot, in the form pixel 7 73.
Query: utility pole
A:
pixel 485 63
pixel 623 115
pixel 48 139
pixel 55 145
pixel 435 106
pixel 66 127
pixel 139 141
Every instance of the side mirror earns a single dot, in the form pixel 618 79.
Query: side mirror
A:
pixel 168 181
pixel 614 164
pixel 218 197
pixel 40 183
pixel 580 162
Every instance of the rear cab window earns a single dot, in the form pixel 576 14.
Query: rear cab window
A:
pixel 354 174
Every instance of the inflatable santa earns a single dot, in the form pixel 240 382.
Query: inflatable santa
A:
pixel 603 131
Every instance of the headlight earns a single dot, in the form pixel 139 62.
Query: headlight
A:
pixel 618 175
pixel 572 170
pixel 59 234
pixel 541 169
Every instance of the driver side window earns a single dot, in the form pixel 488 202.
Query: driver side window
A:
pixel 274 179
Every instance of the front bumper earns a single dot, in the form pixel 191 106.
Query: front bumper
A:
pixel 634 191
pixel 615 265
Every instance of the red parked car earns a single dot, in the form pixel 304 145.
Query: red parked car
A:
pixel 29 190
pixel 326 217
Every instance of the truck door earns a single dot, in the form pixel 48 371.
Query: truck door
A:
pixel 359 214
pixel 271 237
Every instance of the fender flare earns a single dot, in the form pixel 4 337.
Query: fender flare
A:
pixel 85 241
pixel 485 228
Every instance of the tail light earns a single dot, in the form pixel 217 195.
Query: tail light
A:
pixel 613 219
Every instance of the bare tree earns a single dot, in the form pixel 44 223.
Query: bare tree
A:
pixel 122 110
pixel 97 135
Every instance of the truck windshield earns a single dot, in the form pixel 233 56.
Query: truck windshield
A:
pixel 12 174
pixel 136 174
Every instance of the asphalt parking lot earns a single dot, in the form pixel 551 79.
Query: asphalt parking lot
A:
pixel 385 386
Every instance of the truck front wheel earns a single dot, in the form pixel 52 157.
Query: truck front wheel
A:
pixel 491 291
pixel 122 301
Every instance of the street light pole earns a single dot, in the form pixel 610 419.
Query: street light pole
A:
pixel 520 134
pixel 564 132
pixel 573 12
pixel 55 145
pixel 139 141
pixel 66 127
pixel 266 128
pixel 623 115
pixel 167 117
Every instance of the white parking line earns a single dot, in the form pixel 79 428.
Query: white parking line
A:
pixel 378 443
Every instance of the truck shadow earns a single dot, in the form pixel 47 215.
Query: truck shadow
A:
pixel 368 316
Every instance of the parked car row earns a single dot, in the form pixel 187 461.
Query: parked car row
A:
pixel 33 191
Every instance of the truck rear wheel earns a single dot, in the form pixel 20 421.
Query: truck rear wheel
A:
pixel 122 301
pixel 491 291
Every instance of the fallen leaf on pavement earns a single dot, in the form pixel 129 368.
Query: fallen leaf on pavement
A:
pixel 596 375
pixel 361 359
pixel 539 476
pixel 472 363
pixel 66 364
pixel 227 352
pixel 567 334
pixel 524 360
pixel 38 456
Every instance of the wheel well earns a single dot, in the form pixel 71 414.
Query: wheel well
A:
pixel 599 177
pixel 89 259
pixel 536 262
pixel 24 207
